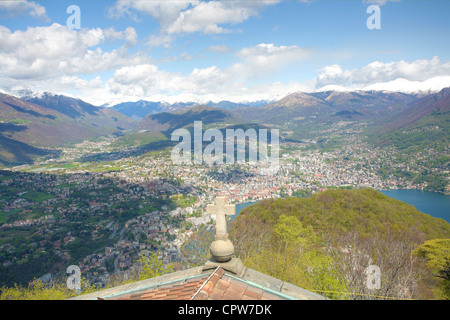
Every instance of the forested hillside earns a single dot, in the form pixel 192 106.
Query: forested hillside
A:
pixel 326 242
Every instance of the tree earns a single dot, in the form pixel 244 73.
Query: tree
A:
pixel 152 266
pixel 437 254
pixel 286 251
pixel 353 254
pixel 290 231
pixel 38 290
pixel 196 249
pixel 358 228
pixel 249 235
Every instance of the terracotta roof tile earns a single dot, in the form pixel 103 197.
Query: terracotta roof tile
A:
pixel 223 285
pixel 201 295
pixel 270 296
pixel 217 294
pixel 239 284
pixel 214 286
pixel 254 294
pixel 181 290
pixel 235 291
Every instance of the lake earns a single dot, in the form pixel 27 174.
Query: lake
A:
pixel 239 207
pixel 433 203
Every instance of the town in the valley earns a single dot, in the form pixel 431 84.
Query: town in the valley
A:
pixel 104 215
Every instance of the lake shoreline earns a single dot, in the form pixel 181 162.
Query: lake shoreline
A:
pixel 438 206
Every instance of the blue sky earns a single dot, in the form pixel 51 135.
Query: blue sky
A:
pixel 238 50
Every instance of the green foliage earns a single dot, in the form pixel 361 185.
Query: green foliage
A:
pixel 301 193
pixel 152 267
pixel 417 140
pixel 26 268
pixel 291 232
pixel 437 254
pixel 363 210
pixel 295 258
pixel 184 200
pixel 435 181
pixel 37 196
pixel 285 238
pixel 37 290
pixel 138 139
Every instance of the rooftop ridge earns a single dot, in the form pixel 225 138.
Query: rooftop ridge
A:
pixel 196 284
pixel 208 286
pixel 154 282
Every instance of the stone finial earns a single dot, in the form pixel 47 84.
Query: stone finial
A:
pixel 221 248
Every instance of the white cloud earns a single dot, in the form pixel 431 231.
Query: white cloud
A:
pixel 263 60
pixel 45 52
pixel 212 83
pixel 147 81
pixel 55 58
pixel 379 72
pixel 188 57
pixel 165 12
pixel 221 48
pixel 207 16
pixel 403 85
pixel 379 2
pixel 257 61
pixel 129 34
pixel 188 16
pixel 15 8
pixel 266 58
pixel 142 80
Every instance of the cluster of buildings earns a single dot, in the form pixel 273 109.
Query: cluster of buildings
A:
pixel 127 206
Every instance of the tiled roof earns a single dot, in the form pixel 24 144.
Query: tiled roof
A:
pixel 213 281
pixel 181 290
pixel 218 285
pixel 230 288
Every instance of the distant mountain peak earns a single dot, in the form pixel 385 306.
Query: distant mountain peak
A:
pixel 298 99
pixel 30 94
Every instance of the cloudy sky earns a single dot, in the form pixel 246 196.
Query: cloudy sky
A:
pixel 236 50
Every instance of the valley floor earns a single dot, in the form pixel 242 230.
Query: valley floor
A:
pixel 102 215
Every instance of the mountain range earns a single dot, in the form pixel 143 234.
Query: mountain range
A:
pixel 140 109
pixel 297 104
pixel 35 125
pixel 424 124
pixel 345 105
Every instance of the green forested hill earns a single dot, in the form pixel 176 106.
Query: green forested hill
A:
pixel 326 242
pixel 365 211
